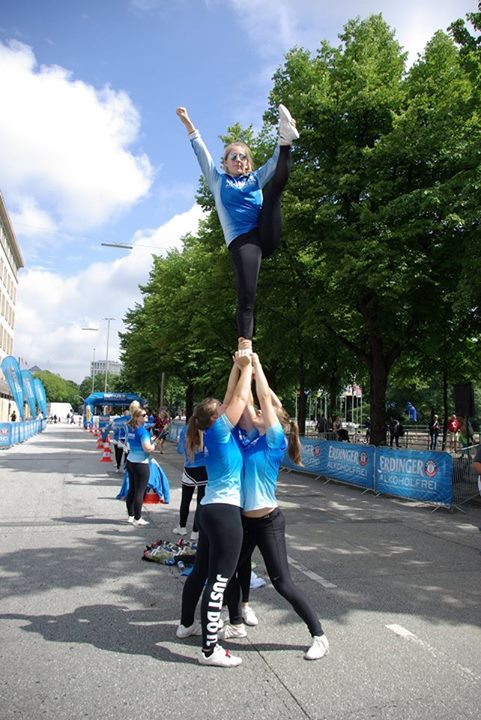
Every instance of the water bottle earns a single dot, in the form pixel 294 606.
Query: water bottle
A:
pixel 181 566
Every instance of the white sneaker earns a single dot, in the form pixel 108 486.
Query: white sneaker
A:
pixel 287 128
pixel 220 658
pixel 249 616
pixel 194 536
pixel 319 648
pixel 140 521
pixel 130 519
pixel 183 632
pixel 179 530
pixel 230 632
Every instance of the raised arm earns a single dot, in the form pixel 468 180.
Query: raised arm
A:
pixel 185 119
pixel 240 395
pixel 264 393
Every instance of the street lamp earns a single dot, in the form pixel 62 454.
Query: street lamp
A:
pixel 126 246
pixel 107 352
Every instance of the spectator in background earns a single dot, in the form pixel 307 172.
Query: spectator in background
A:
pixel 453 427
pixel 396 430
pixel 321 425
pixel 13 416
pixel 434 429
pixel 412 412
pixel 465 432
pixel 161 427
pixel 367 425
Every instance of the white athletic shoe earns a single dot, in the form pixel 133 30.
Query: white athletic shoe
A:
pixel 249 616
pixel 179 530
pixel 130 519
pixel 220 658
pixel 231 632
pixel 319 648
pixel 287 128
pixel 140 521
pixel 183 632
pixel 194 536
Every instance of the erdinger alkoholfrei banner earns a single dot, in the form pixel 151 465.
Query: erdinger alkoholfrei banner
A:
pixel 417 474
pixel 29 392
pixel 11 370
pixel 40 395
pixel 353 464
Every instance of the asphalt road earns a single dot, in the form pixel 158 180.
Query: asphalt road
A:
pixel 88 627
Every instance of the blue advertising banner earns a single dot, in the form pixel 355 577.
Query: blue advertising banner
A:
pixel 5 434
pixel 353 464
pixel 40 395
pixel 13 377
pixel 417 474
pixel 310 456
pixel 29 392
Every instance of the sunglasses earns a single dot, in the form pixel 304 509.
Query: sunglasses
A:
pixel 237 156
pixel 144 415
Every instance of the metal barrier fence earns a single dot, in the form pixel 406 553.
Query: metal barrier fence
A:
pixel 465 478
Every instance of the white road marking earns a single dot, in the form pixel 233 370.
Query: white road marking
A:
pixel 310 574
pixel 408 635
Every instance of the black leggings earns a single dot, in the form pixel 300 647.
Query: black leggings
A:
pixel 138 480
pixel 248 250
pixel 119 453
pixel 220 541
pixel 268 534
pixel 187 494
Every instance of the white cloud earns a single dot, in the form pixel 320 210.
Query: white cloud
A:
pixel 277 25
pixel 53 309
pixel 66 144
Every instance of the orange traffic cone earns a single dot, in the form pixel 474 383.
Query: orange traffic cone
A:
pixel 106 454
pixel 100 442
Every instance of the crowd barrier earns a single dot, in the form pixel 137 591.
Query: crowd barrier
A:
pixel 427 475
pixel 12 433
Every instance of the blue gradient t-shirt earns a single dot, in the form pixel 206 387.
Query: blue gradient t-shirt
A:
pixel 223 463
pixel 261 468
pixel 135 438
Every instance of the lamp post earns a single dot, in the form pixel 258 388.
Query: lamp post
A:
pixel 107 353
pixel 93 371
pixel 92 329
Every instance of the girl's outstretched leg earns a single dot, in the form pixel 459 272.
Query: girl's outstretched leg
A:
pixel 269 226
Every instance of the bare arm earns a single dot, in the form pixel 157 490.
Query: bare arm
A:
pixel 240 395
pixel 264 393
pixel 185 119
pixel 477 467
pixel 231 385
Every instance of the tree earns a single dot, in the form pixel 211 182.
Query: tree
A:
pixel 59 390
pixel 374 203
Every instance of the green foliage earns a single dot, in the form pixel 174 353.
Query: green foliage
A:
pixel 374 280
pixel 59 390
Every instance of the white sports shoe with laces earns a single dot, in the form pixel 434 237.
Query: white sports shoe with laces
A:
pixel 220 658
pixel 249 616
pixel 287 127
pixel 319 648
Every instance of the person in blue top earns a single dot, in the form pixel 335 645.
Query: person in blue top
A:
pixel 264 523
pixel 194 476
pixel 219 515
pixel 140 447
pixel 250 220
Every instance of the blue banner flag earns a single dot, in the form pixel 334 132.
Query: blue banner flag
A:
pixel 29 392
pixel 11 370
pixel 40 395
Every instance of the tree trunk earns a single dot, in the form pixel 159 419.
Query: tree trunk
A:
pixel 445 407
pixel 378 375
pixel 301 401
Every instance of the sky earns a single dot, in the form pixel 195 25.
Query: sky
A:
pixel 91 150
